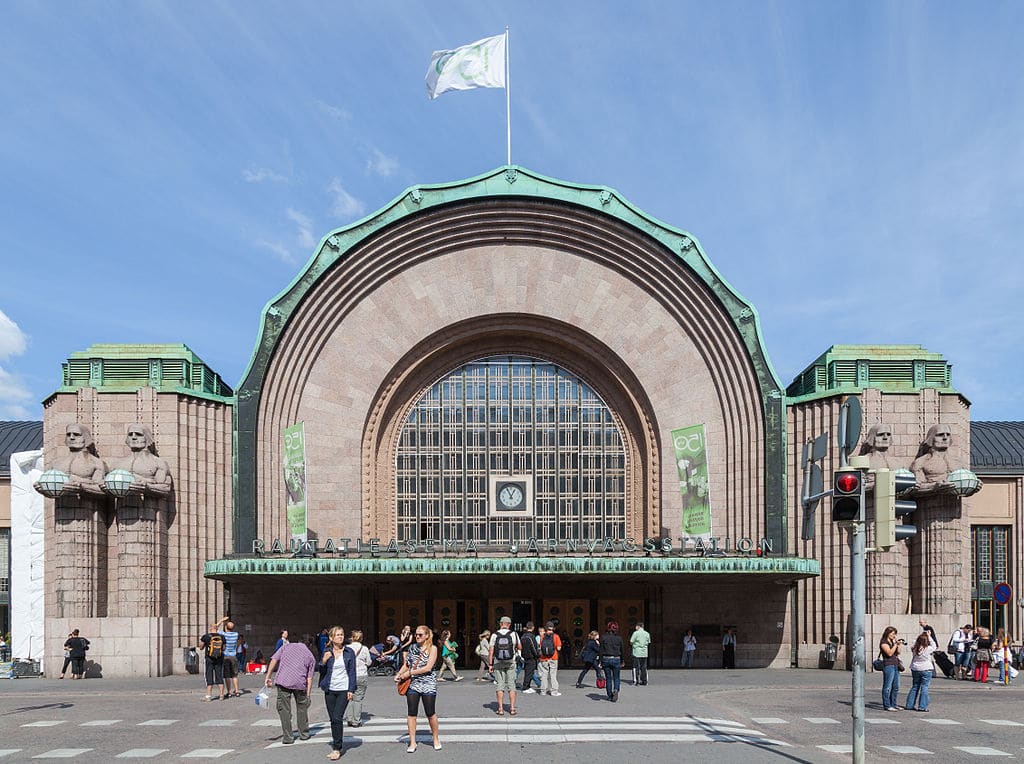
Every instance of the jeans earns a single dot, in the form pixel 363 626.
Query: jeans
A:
pixel 890 686
pixel 688 658
pixel 919 691
pixel 586 668
pixel 337 702
pixel 528 669
pixel 284 710
pixel 612 668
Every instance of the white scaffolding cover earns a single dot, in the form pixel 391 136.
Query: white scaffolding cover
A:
pixel 26 557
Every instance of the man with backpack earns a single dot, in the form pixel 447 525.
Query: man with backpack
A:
pixel 212 646
pixel 549 645
pixel 230 652
pixel 501 658
pixel 531 654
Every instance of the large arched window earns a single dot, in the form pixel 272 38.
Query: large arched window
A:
pixel 505 448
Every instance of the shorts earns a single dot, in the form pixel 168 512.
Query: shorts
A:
pixel 230 667
pixel 214 671
pixel 505 676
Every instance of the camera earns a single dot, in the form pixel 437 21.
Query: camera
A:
pixel 902 641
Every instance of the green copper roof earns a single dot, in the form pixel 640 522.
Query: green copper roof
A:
pixel 125 368
pixel 889 368
pixel 500 566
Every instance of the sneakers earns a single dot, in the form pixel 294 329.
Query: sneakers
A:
pixel 615 697
pixel 579 686
pixel 529 691
pixel 303 736
pixel 459 678
pixel 555 694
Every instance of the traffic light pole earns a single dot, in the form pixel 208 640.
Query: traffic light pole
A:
pixel 858 601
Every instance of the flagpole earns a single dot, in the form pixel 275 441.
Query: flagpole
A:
pixel 508 102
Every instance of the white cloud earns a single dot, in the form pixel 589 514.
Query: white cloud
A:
pixel 260 174
pixel 381 164
pixel 345 205
pixel 13 394
pixel 305 227
pixel 335 112
pixel 280 251
pixel 12 340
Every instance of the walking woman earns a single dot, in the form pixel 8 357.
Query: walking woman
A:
pixel 354 712
pixel 612 652
pixel 419 664
pixel 405 641
pixel 982 655
pixel 921 670
pixel 449 654
pixel 590 657
pixel 483 650
pixel 338 683
pixel 889 647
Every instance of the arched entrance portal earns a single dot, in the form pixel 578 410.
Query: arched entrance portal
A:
pixel 591 471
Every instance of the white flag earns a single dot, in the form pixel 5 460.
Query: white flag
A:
pixel 479 65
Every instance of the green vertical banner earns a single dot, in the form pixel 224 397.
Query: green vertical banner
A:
pixel 692 462
pixel 295 479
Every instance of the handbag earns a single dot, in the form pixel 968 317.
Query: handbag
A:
pixel 601 683
pixel 403 684
pixel 900 666
pixel 878 664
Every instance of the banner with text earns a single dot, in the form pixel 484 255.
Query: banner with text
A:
pixel 295 479
pixel 692 463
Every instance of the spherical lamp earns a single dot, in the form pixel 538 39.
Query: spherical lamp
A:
pixel 965 482
pixel 118 482
pixel 52 482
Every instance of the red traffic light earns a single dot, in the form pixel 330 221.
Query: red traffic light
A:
pixel 848 482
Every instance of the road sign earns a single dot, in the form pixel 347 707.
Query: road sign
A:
pixel 848 434
pixel 1002 593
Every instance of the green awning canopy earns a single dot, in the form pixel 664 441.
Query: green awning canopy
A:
pixel 247 568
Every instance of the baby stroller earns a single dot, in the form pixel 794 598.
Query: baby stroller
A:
pixel 381 665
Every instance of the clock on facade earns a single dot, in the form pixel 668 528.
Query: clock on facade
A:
pixel 510 495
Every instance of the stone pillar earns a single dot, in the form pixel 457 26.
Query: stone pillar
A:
pixel 80 556
pixel 939 583
pixel 141 545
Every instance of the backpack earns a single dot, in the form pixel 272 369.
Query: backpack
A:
pixel 215 648
pixel 528 647
pixel 503 646
pixel 547 645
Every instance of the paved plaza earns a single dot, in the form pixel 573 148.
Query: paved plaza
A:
pixel 722 716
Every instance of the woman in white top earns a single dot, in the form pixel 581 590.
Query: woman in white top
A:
pixel 689 648
pixel 921 669
pixel 338 684
pixel 354 712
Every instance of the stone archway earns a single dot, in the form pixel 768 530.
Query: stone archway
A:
pixel 553 340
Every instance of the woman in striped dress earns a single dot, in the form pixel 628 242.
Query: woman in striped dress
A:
pixel 419 664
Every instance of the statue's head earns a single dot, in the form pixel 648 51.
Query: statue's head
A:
pixel 78 437
pixel 878 438
pixel 139 438
pixel 939 437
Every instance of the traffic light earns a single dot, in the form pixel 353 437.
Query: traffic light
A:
pixel 889 506
pixel 847 485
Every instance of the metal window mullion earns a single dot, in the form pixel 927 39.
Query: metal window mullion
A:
pixel 464 482
pixel 578 520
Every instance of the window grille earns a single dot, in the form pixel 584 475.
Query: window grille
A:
pixel 503 416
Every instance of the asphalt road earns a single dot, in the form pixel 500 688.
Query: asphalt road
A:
pixel 737 716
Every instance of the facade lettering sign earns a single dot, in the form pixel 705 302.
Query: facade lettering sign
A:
pixel 665 546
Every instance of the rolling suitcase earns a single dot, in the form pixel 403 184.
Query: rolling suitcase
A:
pixel 944 663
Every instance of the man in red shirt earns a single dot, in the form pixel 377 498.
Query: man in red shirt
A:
pixel 550 645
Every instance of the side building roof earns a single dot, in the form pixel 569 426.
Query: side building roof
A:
pixel 997 448
pixel 15 437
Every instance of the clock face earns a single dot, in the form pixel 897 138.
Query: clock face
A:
pixel 510 496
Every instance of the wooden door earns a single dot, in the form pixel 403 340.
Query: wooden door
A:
pixel 626 613
pixel 392 615
pixel 495 610
pixel 572 622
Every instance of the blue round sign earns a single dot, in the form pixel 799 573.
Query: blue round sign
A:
pixel 1002 593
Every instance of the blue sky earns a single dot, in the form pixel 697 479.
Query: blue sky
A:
pixel 853 169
